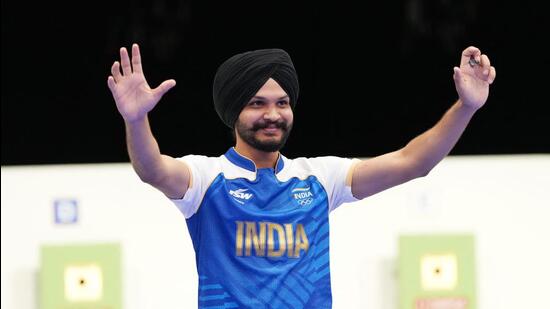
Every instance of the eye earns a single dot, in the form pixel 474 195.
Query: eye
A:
pixel 283 102
pixel 255 103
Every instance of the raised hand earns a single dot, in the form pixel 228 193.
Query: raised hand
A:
pixel 473 78
pixel 133 96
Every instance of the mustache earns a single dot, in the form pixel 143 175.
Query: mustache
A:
pixel 264 124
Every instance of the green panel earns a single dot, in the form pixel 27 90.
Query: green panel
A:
pixel 81 276
pixel 437 271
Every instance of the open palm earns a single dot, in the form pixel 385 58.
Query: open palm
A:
pixel 133 96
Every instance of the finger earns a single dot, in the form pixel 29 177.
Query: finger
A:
pixel 164 87
pixel 485 61
pixel 115 71
pixel 469 52
pixel 485 64
pixel 111 83
pixel 492 75
pixel 125 61
pixel 136 59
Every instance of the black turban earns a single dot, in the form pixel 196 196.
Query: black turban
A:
pixel 240 77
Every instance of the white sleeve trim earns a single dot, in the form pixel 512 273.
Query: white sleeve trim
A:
pixel 334 173
pixel 202 170
pixel 342 182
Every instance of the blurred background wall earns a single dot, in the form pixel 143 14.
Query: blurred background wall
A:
pixel 502 200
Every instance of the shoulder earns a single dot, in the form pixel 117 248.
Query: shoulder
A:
pixel 322 162
pixel 198 159
pixel 202 165
pixel 323 166
pixel 201 160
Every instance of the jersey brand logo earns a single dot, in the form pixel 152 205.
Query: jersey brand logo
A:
pixel 303 196
pixel 240 194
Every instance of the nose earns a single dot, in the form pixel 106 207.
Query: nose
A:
pixel 271 113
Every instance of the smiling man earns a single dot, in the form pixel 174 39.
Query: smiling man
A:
pixel 265 122
pixel 258 220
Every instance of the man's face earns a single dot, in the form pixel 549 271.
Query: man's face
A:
pixel 266 121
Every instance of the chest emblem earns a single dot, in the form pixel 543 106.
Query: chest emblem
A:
pixel 302 196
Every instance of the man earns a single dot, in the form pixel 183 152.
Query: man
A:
pixel 258 220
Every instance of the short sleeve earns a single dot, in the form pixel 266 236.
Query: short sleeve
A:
pixel 203 170
pixel 335 174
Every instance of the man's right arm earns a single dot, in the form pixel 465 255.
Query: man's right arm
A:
pixel 170 176
pixel 134 100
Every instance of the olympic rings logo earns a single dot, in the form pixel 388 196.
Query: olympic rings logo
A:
pixel 305 202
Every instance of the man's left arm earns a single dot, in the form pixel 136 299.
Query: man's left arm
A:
pixel 421 154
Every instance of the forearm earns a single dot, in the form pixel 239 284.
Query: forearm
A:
pixel 429 148
pixel 143 150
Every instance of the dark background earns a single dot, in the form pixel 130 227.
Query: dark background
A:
pixel 372 75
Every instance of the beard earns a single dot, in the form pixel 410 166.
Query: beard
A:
pixel 248 134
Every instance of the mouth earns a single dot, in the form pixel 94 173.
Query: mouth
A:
pixel 272 129
pixel 271 132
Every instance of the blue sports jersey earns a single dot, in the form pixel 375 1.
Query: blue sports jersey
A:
pixel 261 236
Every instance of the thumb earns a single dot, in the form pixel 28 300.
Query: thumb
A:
pixel 457 76
pixel 164 87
